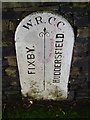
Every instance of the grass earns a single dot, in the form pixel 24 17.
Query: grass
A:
pixel 41 110
pixel 42 113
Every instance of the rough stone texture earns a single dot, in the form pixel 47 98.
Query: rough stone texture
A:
pixel 77 15
pixel 11 60
pixel 11 71
pixel 83 32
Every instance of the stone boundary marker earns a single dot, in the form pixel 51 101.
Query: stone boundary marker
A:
pixel 44 46
pixel 77 15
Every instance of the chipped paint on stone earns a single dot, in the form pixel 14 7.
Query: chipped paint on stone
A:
pixel 44 45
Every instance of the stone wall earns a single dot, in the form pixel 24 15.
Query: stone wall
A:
pixel 76 14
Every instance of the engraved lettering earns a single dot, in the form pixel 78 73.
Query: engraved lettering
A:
pixel 28 25
pixel 58 57
pixel 51 19
pixel 39 19
pixel 31 60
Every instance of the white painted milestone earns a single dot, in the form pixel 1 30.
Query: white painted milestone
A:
pixel 44 45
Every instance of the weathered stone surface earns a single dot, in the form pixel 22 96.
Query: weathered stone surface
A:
pixel 82 40
pixel 75 72
pixel 6 43
pixel 81 21
pixel 13 83
pixel 10 15
pixel 81 49
pixel 76 13
pixel 11 25
pixel 48 45
pixel 11 60
pixel 11 71
pixel 75 59
pixel 5 25
pixel 83 32
pixel 8 51
pixel 8 25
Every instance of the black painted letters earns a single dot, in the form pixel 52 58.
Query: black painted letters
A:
pixel 30 60
pixel 58 57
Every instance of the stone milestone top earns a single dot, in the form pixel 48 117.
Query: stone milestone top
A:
pixel 44 45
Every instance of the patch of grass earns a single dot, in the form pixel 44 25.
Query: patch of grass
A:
pixel 45 111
